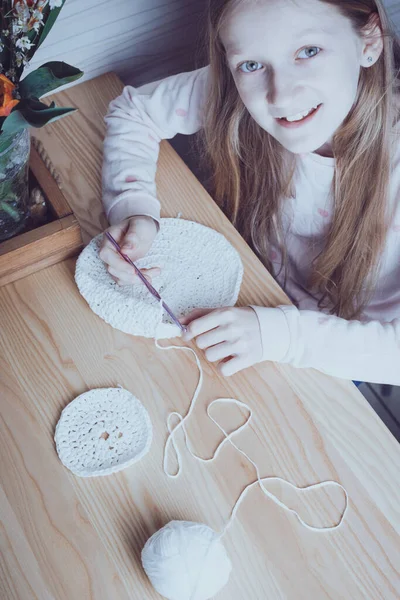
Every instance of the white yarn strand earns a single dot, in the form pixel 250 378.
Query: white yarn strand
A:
pixel 185 560
pixel 228 438
pixel 173 430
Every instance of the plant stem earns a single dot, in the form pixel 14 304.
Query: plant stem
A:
pixel 9 210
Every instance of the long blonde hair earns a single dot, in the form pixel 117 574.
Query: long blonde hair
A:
pixel 252 172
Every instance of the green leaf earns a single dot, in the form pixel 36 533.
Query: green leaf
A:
pixel 46 78
pixel 9 210
pixel 49 22
pixel 30 112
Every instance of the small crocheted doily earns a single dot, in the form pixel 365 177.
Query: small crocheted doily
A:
pixel 103 431
pixel 199 269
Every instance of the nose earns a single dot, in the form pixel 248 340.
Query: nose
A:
pixel 282 88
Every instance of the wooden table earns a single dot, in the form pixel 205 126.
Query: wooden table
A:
pixel 64 537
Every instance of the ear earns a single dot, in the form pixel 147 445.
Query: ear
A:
pixel 372 41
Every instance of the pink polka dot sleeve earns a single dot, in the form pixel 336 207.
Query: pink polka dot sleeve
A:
pixel 136 122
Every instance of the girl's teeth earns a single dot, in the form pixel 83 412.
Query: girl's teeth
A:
pixel 299 116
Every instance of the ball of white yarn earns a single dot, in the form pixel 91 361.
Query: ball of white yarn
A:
pixel 186 561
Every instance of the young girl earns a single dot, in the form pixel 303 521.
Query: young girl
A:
pixel 299 116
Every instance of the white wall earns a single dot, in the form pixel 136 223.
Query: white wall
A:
pixel 393 8
pixel 141 40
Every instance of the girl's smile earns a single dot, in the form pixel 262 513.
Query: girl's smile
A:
pixel 283 122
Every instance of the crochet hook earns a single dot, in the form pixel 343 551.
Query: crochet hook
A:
pixel 147 283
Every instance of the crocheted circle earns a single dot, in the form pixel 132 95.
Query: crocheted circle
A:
pixel 199 269
pixel 103 431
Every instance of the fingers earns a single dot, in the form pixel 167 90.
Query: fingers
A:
pixel 213 337
pixel 211 320
pixel 107 252
pixel 131 242
pixel 195 314
pixel 123 233
pixel 207 325
pixel 234 365
pixel 117 232
pixel 220 351
pixel 111 257
pixel 131 277
pixel 229 335
pixel 119 269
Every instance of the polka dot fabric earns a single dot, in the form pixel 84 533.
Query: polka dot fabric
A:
pixel 103 431
pixel 199 269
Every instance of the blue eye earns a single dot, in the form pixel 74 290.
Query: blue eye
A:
pixel 311 48
pixel 249 62
pixel 254 62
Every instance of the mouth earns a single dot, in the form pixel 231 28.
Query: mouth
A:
pixel 301 121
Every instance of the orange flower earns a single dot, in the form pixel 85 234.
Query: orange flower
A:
pixel 7 101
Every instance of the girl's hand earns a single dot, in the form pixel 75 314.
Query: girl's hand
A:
pixel 230 335
pixel 135 236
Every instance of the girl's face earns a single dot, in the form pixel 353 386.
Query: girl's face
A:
pixel 287 58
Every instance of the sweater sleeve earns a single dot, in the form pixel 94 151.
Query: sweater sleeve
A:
pixel 362 351
pixel 136 122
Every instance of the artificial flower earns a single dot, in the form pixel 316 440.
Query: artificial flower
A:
pixel 24 43
pixel 7 101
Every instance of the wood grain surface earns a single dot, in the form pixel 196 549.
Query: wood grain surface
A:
pixel 39 248
pixel 65 537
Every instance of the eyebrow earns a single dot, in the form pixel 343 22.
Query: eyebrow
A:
pixel 232 50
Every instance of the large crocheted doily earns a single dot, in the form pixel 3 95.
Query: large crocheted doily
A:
pixel 103 431
pixel 199 269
